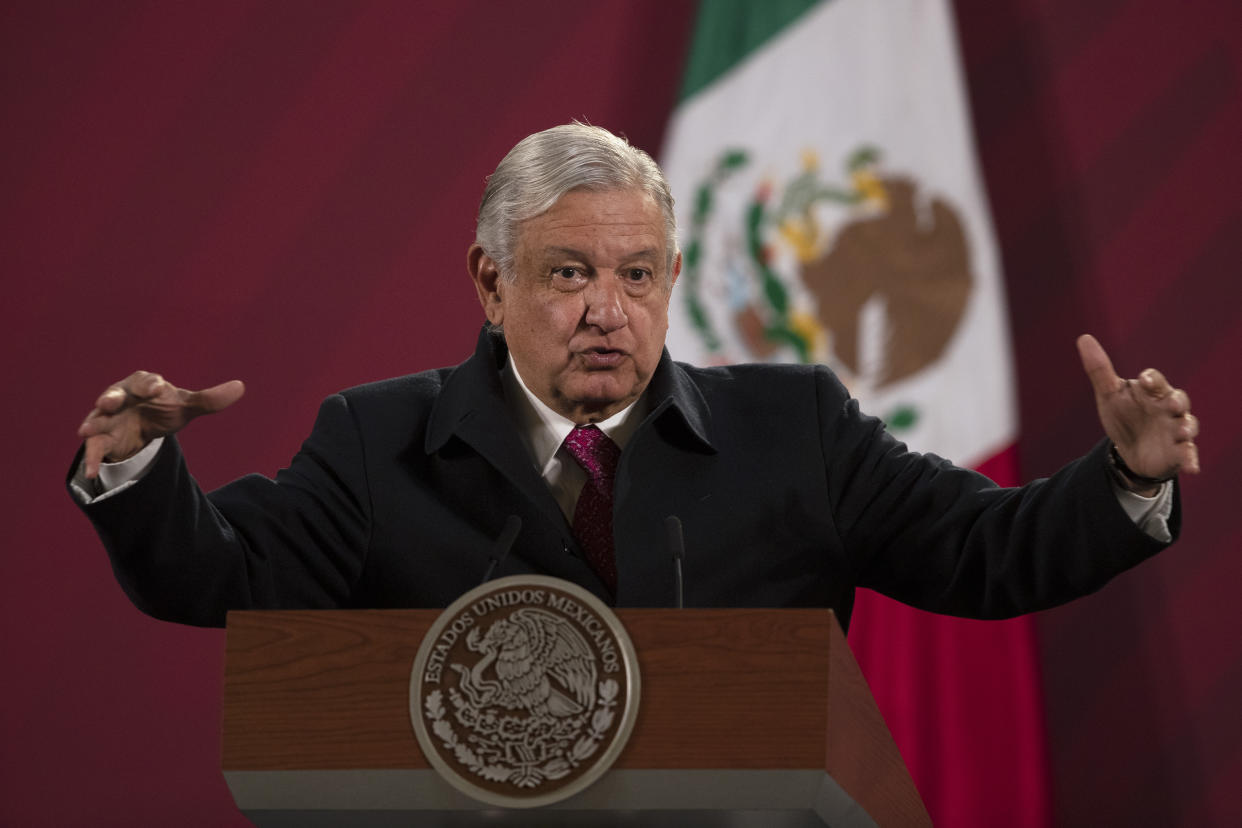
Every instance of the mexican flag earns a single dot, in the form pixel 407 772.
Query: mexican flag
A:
pixel 831 210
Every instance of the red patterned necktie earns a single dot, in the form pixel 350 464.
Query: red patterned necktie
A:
pixel 598 455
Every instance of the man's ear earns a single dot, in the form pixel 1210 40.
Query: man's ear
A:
pixel 676 269
pixel 487 283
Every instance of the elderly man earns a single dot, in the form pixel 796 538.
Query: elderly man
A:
pixel 571 417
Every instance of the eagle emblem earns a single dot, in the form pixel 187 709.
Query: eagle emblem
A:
pixel 524 691
pixel 542 665
pixel 868 272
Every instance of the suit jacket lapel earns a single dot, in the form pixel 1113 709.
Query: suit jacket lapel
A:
pixel 472 409
pixel 674 437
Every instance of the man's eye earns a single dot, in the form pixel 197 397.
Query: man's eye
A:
pixel 636 274
pixel 566 272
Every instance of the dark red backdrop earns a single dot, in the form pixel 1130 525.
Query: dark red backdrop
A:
pixel 1110 135
pixel 283 192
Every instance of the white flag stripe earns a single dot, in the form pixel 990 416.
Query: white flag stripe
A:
pixel 848 74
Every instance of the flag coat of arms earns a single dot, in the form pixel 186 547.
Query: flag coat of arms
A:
pixel 831 210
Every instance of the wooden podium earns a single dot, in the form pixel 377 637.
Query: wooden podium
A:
pixel 748 717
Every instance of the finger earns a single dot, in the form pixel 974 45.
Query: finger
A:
pixel 147 385
pixel 1178 402
pixel 96 448
pixel 1154 384
pixel 1188 430
pixel 93 424
pixel 103 420
pixel 216 398
pixel 1187 458
pixel 1098 366
pixel 138 385
pixel 112 399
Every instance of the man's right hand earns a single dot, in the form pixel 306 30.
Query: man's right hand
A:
pixel 141 407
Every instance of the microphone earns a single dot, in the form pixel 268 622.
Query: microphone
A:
pixel 504 542
pixel 676 545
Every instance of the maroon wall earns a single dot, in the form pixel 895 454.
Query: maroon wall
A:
pixel 283 192
pixel 1110 134
pixel 277 191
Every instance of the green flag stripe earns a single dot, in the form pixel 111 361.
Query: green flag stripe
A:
pixel 726 31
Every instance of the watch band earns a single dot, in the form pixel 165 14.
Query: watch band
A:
pixel 1127 475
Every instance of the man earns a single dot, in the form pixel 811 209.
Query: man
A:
pixel 571 418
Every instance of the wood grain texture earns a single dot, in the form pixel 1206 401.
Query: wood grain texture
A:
pixel 729 688
pixel 321 690
pixel 860 753
pixel 721 689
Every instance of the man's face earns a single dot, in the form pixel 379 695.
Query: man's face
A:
pixel 586 315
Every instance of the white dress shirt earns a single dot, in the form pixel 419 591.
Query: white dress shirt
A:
pixel 544 432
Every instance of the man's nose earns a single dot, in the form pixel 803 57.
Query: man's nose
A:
pixel 604 304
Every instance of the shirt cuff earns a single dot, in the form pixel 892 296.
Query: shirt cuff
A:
pixel 114 477
pixel 1150 514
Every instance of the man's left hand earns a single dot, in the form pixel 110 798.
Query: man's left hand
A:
pixel 1148 420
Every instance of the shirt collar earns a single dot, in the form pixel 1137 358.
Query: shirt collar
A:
pixel 544 430
pixel 471 402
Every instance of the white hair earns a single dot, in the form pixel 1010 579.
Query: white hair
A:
pixel 547 165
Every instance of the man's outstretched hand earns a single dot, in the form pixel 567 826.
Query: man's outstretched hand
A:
pixel 141 407
pixel 1148 420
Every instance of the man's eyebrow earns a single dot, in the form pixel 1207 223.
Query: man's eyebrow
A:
pixel 569 252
